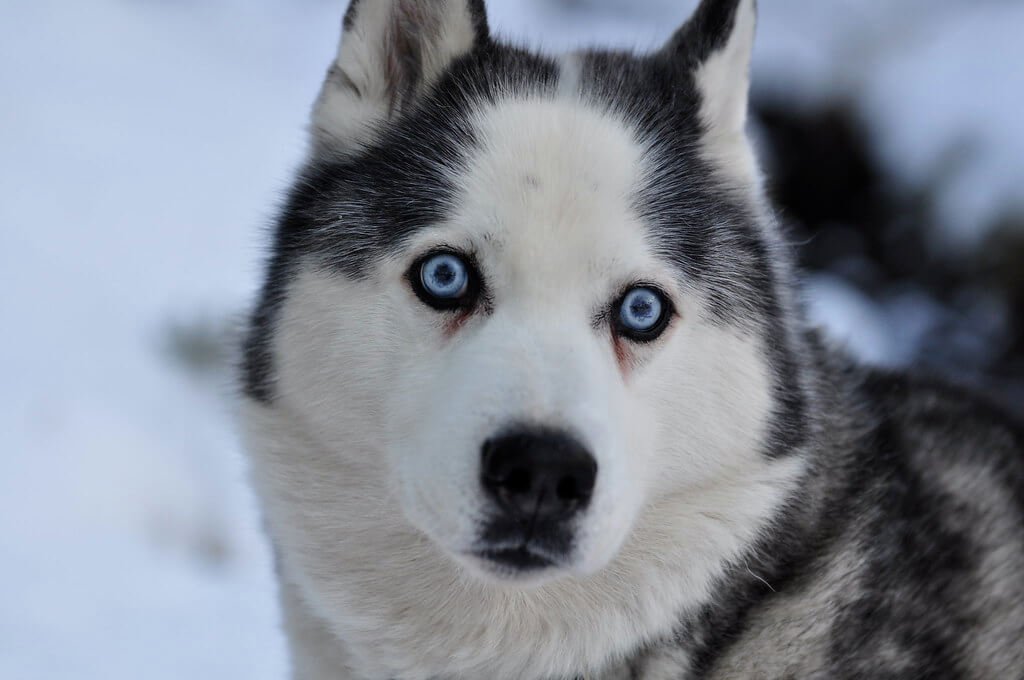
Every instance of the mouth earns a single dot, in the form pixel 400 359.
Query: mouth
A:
pixel 515 560
pixel 510 549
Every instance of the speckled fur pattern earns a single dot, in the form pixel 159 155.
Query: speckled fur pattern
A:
pixel 764 507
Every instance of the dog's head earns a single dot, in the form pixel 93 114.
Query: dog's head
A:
pixel 527 299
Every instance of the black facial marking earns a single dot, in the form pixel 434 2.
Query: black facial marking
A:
pixel 345 214
pixel 696 219
pixel 699 224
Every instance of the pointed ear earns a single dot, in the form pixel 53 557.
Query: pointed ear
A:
pixel 715 45
pixel 391 53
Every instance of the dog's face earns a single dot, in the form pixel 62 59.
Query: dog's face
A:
pixel 527 326
pixel 524 301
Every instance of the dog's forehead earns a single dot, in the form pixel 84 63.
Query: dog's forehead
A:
pixel 588 157
pixel 553 181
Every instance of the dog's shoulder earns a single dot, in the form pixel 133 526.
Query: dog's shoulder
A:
pixel 915 569
pixel 953 449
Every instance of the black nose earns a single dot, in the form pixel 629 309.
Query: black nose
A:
pixel 541 474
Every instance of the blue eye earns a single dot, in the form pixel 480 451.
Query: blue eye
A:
pixel 642 313
pixel 444 280
pixel 444 276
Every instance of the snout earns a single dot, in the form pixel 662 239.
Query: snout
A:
pixel 536 481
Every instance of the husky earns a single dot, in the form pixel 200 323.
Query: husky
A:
pixel 530 395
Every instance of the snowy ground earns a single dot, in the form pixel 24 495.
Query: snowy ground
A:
pixel 144 145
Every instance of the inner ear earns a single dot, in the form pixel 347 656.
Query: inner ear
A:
pixel 391 53
pixel 715 45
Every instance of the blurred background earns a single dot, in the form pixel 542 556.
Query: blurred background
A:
pixel 144 145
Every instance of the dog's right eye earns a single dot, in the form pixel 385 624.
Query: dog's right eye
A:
pixel 444 280
pixel 644 312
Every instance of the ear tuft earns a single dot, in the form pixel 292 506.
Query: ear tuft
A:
pixel 392 52
pixel 716 46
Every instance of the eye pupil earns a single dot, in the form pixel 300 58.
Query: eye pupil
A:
pixel 641 309
pixel 444 274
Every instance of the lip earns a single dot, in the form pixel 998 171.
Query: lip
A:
pixel 515 560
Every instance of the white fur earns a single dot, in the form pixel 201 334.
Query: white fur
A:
pixel 368 461
pixel 724 83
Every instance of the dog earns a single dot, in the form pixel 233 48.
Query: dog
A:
pixel 530 395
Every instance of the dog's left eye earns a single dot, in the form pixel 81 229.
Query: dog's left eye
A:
pixel 643 313
pixel 444 280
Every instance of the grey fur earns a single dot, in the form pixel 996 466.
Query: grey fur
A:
pixel 902 555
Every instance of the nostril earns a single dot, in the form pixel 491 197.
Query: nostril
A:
pixel 568 489
pixel 576 484
pixel 518 480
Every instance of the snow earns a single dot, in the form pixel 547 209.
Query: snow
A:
pixel 145 144
pixel 947 106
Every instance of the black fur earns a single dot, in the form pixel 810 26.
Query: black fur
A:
pixel 707 31
pixel 350 15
